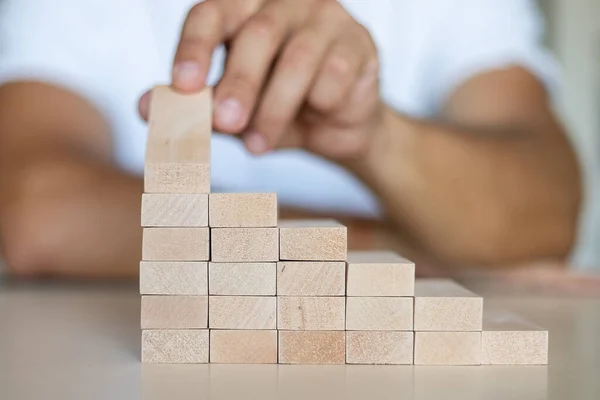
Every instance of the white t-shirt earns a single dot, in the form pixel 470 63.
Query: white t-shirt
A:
pixel 111 51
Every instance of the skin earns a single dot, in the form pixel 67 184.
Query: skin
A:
pixel 492 181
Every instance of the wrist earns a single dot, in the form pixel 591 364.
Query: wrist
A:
pixel 388 152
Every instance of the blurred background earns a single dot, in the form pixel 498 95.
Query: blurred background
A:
pixel 573 35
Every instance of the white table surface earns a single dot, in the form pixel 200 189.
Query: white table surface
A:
pixel 67 341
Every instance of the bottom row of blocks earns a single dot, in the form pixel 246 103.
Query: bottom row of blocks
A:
pixel 339 347
pixel 261 347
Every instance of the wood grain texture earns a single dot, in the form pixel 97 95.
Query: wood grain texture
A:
pixel 312 347
pixel 444 305
pixel 243 210
pixel 243 346
pixel 311 313
pixel 177 178
pixel 242 312
pixel 174 210
pixel 312 240
pixel 188 346
pixel 447 348
pixel 509 339
pixel 175 278
pixel 244 244
pixel 379 347
pixel 242 279
pixel 178 145
pixel 380 273
pixel 175 244
pixel 174 312
pixel 379 313
pixel 311 278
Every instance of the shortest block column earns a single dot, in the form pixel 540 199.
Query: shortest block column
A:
pixel 508 339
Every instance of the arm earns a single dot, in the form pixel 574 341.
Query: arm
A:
pixel 494 181
pixel 64 208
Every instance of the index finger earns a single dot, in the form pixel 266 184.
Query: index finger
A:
pixel 203 30
pixel 207 25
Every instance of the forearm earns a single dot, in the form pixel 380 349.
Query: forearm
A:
pixel 70 215
pixel 476 197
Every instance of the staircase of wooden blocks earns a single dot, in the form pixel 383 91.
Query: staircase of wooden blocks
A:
pixel 223 281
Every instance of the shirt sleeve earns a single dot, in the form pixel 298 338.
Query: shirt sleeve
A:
pixel 475 36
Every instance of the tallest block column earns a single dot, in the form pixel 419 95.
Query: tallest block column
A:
pixel 178 148
pixel 176 237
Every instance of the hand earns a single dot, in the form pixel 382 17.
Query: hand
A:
pixel 299 73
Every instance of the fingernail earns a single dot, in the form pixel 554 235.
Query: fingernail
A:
pixel 229 112
pixel 256 142
pixel 186 74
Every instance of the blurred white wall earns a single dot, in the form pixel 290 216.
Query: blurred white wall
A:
pixel 573 33
pixel 574 36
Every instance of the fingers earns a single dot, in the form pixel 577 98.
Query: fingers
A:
pixel 293 76
pixel 250 58
pixel 144 105
pixel 337 76
pixel 207 25
pixel 203 30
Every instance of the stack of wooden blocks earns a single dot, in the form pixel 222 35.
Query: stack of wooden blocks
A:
pixel 223 281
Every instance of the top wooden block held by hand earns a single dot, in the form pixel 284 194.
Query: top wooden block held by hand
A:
pixel 178 148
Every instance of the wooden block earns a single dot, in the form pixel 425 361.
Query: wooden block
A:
pixel 444 305
pixel 508 339
pixel 243 347
pixel 242 312
pixel 243 210
pixel 447 348
pixel 176 278
pixel 380 273
pixel 178 145
pixel 175 210
pixel 379 347
pixel 311 313
pixel 242 279
pixel 312 240
pixel 177 178
pixel 175 244
pixel 312 347
pixel 188 346
pixel 244 244
pixel 311 278
pixel 379 313
pixel 174 312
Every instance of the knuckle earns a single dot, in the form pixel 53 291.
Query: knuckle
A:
pixel 324 101
pixel 263 25
pixel 300 53
pixel 338 67
pixel 207 9
pixel 333 10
